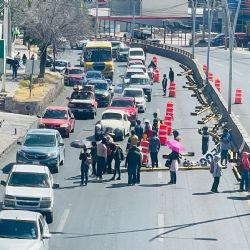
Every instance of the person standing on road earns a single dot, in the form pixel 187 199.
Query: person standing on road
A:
pixel 225 141
pixel 94 157
pixel 24 59
pixel 139 130
pixel 164 84
pixel 133 163
pixel 118 157
pixel 244 169
pixel 110 155
pixel 133 140
pixel 174 161
pixel 156 122
pixel 205 139
pixel 86 162
pixel 148 129
pixel 101 157
pixel 216 171
pixel 171 75
pixel 15 66
pixel 154 147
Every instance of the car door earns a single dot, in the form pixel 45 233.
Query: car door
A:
pixel 44 230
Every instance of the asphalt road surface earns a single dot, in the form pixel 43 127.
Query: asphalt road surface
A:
pixel 152 215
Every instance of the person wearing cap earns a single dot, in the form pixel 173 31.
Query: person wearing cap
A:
pixel 216 171
pixel 133 163
pixel 205 139
pixel 164 84
pixel 148 129
pixel 86 161
pixel 118 158
pixel 101 152
pixel 244 170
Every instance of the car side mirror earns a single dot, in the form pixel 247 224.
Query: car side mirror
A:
pixel 46 236
pixel 19 142
pixel 55 186
pixel 61 144
pixel 3 183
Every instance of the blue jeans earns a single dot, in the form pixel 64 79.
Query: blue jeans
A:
pixel 244 179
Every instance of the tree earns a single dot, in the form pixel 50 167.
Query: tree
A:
pixel 47 22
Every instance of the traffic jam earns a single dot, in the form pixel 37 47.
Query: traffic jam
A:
pixel 28 195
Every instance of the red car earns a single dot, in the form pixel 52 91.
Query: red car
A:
pixel 73 76
pixel 126 104
pixel 59 118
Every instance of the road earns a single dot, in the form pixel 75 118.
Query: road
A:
pixel 219 65
pixel 152 215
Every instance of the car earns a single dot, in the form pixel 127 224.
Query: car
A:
pixel 115 47
pixel 73 76
pixel 113 121
pixel 60 65
pixel 130 72
pixel 93 75
pixel 122 54
pixel 139 96
pixel 102 92
pixel 139 66
pixel 136 54
pixel 83 102
pixel 201 43
pixel 79 45
pixel 42 146
pixel 218 40
pixel 144 82
pixel 30 187
pixel 22 230
pixel 134 62
pixel 126 104
pixel 58 117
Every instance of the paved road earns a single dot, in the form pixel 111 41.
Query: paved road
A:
pixel 219 65
pixel 152 215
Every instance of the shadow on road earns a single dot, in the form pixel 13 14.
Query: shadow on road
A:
pixel 6 169
pixel 118 185
pixel 205 193
pixel 239 198
pixel 154 185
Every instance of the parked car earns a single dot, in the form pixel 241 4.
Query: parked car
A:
pixel 93 75
pixel 130 72
pixel 42 146
pixel 23 230
pixel 102 92
pixel 59 118
pixel 83 102
pixel 128 105
pixel 60 65
pixel 144 82
pixel 122 54
pixel 73 76
pixel 113 121
pixel 30 187
pixel 138 95
pixel 136 54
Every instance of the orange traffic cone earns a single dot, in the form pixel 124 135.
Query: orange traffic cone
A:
pixel 238 96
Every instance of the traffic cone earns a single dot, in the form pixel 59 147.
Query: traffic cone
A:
pixel 210 77
pixel 238 96
pixel 217 83
pixel 172 89
pixel 204 67
pixel 163 133
pixel 155 59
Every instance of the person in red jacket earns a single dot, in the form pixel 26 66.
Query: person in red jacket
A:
pixel 245 168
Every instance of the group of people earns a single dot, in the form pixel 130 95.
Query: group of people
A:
pixel 165 80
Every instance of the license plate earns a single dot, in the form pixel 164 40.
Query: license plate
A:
pixel 36 162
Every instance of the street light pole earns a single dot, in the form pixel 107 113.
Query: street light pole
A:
pixel 133 22
pixel 194 5
pixel 97 19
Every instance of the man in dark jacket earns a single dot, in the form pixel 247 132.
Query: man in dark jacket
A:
pixel 94 157
pixel 154 147
pixel 86 161
pixel 139 130
pixel 15 66
pixel 133 162
pixel 171 75
pixel 164 84
pixel 205 139
pixel 118 157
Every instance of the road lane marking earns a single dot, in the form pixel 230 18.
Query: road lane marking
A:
pixel 160 227
pixel 63 220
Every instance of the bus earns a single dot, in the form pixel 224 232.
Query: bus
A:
pixel 98 56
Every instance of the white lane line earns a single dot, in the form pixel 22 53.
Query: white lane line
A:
pixel 160 226
pixel 63 220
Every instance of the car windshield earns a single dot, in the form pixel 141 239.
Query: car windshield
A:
pixel 38 180
pixel 124 49
pixel 132 93
pixel 40 140
pixel 115 44
pixel 91 74
pixel 18 229
pixel 111 116
pixel 138 66
pixel 135 63
pixel 98 55
pixel 55 114
pixel 74 71
pixel 99 85
pixel 139 81
pixel 219 36
pixel 122 103
pixel 60 64
pixel 136 53
pixel 79 95
pixel 129 74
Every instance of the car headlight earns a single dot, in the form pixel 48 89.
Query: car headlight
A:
pixel 9 197
pixel 9 200
pixel 45 202
pixel 65 125
pixel 52 154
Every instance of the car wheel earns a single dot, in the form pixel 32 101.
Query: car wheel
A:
pixel 67 134
pixel 92 116
pixel 49 217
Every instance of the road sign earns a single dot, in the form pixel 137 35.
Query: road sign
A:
pixel 2 64
pixel 32 67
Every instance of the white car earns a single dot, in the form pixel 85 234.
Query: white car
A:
pixel 23 230
pixel 136 54
pixel 113 121
pixel 139 96
pixel 130 72
pixel 30 187
pixel 139 66
pixel 60 65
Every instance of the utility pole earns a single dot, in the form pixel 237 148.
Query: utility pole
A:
pixel 231 31
pixel 97 19
pixel 194 5
pixel 109 15
pixel 5 37
pixel 133 22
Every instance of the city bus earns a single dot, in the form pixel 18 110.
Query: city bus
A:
pixel 98 56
